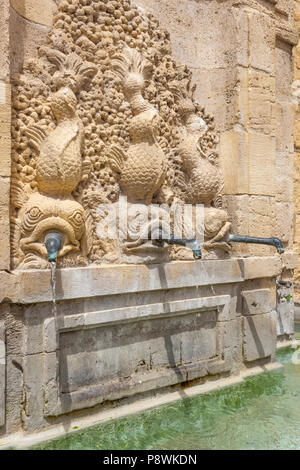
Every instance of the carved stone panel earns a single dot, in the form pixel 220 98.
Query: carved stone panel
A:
pixel 104 111
pixel 108 355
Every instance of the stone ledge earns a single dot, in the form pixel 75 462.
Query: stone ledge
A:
pixel 92 281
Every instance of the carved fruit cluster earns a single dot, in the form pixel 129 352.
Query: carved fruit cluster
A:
pixel 97 30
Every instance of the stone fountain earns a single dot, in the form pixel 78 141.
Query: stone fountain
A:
pixel 109 147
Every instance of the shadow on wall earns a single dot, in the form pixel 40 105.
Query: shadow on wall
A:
pixel 30 21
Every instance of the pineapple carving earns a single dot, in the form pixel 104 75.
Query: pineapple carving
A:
pixel 59 169
pixel 143 167
pixel 203 181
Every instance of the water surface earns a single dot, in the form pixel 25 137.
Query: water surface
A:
pixel 261 413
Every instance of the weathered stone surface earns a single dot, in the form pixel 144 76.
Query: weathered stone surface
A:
pixel 233 144
pixel 262 177
pixel 261 42
pixel 135 342
pixel 34 285
pixel 259 336
pixel 32 413
pixel 31 33
pixel 8 287
pixel 256 302
pixel 2 373
pixel 233 343
pixel 4 43
pixel 290 260
pixel 241 157
pixel 261 86
pixel 5 225
pixel 14 392
pixel 5 129
pixel 285 310
pixel 34 10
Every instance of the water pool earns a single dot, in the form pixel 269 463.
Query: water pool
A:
pixel 261 413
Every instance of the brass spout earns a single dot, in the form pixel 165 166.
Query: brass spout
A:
pixel 276 242
pixel 54 243
pixel 193 244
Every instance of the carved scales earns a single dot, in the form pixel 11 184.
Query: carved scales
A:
pixel 104 110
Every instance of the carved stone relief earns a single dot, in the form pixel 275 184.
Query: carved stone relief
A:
pixel 105 112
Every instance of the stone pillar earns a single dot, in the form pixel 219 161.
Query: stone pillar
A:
pixel 257 152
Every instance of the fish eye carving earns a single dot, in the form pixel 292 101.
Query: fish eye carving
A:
pixel 76 219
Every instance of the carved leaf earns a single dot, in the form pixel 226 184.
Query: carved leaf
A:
pixel 131 61
pixel 36 135
pixel 116 157
pixel 72 70
pixel 19 194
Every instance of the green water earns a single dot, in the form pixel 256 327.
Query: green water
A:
pixel 261 413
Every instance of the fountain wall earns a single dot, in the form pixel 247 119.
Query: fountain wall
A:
pixel 128 326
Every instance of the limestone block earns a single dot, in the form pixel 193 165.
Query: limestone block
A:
pixel 261 42
pixel 259 336
pixel 242 97
pixel 119 350
pixel 33 34
pixel 284 222
pixel 4 223
pixel 284 70
pixel 261 164
pixel 8 287
pixel 126 350
pixel 254 267
pixel 14 328
pixel 242 155
pixel 261 86
pixel 35 10
pixel 285 314
pixel 33 389
pixel 284 128
pixel 233 343
pixel 14 392
pixel 2 373
pixel 4 40
pixel 290 260
pixel 5 126
pixel 242 36
pixel 256 302
pixel 284 177
pixel 234 161
pixel 285 309
pixel 202 20
pixel 217 91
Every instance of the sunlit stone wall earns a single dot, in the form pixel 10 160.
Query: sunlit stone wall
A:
pixel 240 53
pixel 241 56
pixel 296 89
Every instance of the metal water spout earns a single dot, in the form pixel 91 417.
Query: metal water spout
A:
pixel 54 243
pixel 193 244
pixel 276 242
